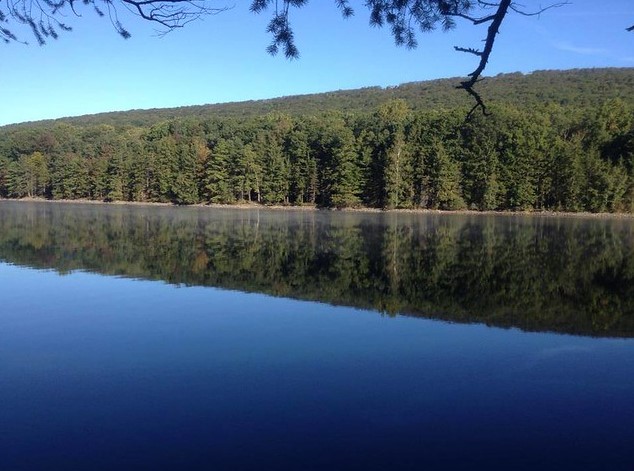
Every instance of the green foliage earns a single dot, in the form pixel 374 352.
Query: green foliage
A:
pixel 184 188
pixel 579 89
pixel 339 171
pixel 444 180
pixel 547 156
pixel 480 163
pixel 28 176
pixel 566 176
pixel 303 177
pixel 275 169
pixel 4 168
pixel 69 177
pixel 216 174
pixel 392 154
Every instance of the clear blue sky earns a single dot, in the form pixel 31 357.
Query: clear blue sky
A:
pixel 223 58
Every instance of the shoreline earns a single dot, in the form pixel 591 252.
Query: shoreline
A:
pixel 253 205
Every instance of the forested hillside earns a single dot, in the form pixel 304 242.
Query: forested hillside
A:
pixel 554 141
pixel 578 87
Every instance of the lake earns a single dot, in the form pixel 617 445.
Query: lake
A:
pixel 138 337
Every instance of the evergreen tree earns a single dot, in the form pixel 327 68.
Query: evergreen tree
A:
pixel 566 177
pixel 340 175
pixel 444 180
pixel 17 180
pixel 69 177
pixel 139 172
pixel 161 150
pixel 184 189
pixel 216 181
pixel 480 164
pixel 303 168
pixel 115 178
pixel 252 174
pixel 275 169
pixel 4 166
pixel 393 154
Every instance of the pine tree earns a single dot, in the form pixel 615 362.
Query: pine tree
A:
pixel 444 180
pixel 4 164
pixel 566 177
pixel 480 165
pixel 339 170
pixel 275 170
pixel 184 189
pixel 216 184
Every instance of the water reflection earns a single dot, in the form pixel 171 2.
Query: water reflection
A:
pixel 568 275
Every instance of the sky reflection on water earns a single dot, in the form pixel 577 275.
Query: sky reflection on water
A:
pixel 112 373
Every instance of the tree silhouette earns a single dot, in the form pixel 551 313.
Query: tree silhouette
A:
pixel 46 18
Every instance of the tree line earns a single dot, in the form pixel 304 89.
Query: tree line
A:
pixel 548 157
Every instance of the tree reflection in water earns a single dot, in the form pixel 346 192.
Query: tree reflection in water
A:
pixel 569 275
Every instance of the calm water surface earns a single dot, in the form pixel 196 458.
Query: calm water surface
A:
pixel 187 338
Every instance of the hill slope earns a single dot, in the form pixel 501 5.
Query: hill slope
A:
pixel 578 87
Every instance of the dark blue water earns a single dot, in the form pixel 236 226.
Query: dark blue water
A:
pixel 110 373
pixel 101 372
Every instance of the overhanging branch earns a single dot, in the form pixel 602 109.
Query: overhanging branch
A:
pixel 468 50
pixel 171 14
pixel 41 16
pixel 492 32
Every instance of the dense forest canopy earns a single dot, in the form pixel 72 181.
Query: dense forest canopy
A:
pixel 555 141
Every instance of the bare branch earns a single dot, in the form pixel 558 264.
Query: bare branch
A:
pixel 475 21
pixel 517 9
pixel 171 14
pixel 469 50
pixel 488 4
pixel 41 16
pixel 479 103
pixel 492 32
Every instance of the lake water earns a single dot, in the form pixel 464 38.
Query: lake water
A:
pixel 195 338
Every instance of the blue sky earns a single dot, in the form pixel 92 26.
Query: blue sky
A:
pixel 223 58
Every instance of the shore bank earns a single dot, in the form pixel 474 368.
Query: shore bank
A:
pixel 252 206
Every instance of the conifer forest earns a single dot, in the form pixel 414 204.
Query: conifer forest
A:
pixel 553 141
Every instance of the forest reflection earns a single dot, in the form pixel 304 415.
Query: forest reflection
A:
pixel 568 275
